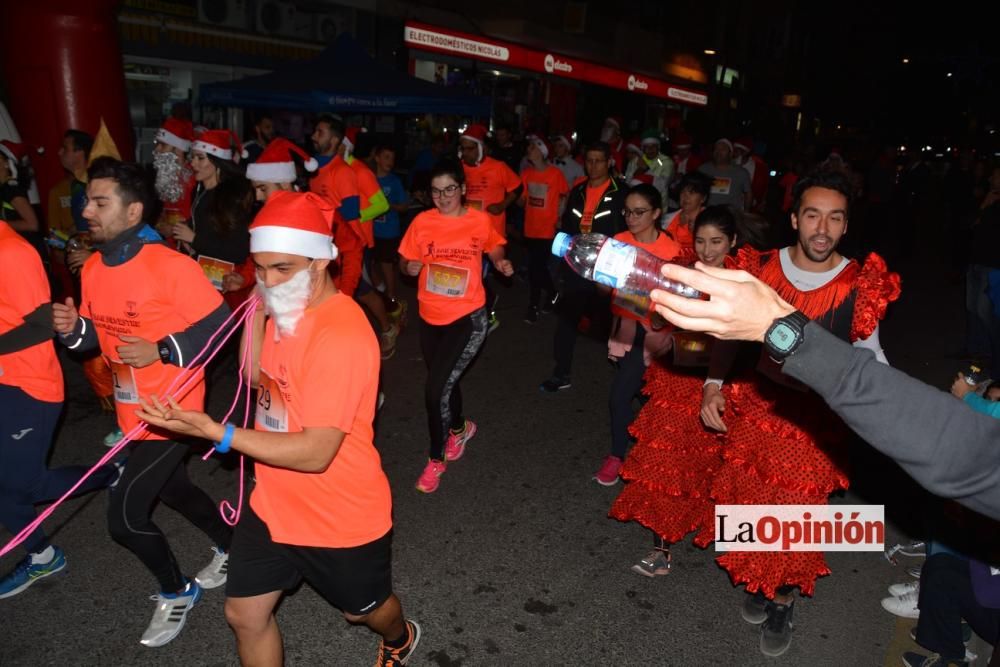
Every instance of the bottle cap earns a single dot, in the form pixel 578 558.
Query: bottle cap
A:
pixel 560 244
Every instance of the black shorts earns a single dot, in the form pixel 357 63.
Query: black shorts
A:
pixel 387 250
pixel 356 580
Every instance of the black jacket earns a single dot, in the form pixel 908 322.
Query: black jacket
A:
pixel 608 218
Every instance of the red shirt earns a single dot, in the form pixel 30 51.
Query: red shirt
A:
pixel 349 503
pixel 637 307
pixel 543 188
pixel 156 293
pixel 23 288
pixel 451 248
pixel 488 183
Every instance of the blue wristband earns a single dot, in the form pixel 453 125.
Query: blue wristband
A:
pixel 227 439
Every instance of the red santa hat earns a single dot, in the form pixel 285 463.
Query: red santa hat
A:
pixel 294 223
pixel 276 163
pixel 219 143
pixel 351 138
pixel 614 120
pixel 542 146
pixel 682 140
pixel 724 141
pixel 565 139
pixel 746 143
pixel 477 133
pixel 16 154
pixel 177 133
pixel 633 144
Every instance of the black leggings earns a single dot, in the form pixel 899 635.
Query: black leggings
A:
pixel 448 350
pixel 627 383
pixel 539 252
pixel 156 469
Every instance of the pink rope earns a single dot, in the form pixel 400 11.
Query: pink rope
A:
pixel 243 312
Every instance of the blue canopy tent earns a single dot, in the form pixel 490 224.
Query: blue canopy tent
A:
pixel 342 78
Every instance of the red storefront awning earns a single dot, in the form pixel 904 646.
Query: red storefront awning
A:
pixel 441 40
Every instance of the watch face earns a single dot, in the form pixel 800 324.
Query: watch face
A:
pixel 781 337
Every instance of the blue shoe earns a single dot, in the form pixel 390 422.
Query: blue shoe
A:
pixel 170 614
pixel 27 573
pixel 113 438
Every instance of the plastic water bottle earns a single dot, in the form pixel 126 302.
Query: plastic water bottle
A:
pixel 617 264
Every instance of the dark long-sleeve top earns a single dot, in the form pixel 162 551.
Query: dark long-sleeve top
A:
pixel 209 240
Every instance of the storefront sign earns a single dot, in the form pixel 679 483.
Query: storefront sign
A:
pixel 441 40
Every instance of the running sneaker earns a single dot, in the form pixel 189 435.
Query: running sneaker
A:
pixel 214 574
pixel 430 478
pixel 914 571
pixel 776 630
pixel 113 438
pixel 455 446
pixel 608 473
pixel 493 324
pixel 549 305
pixel 391 657
pixel 902 589
pixel 754 609
pixel 904 606
pixel 169 616
pixel 914 659
pixel 27 572
pixel 387 341
pixel 655 564
pixel 398 314
pixel 554 384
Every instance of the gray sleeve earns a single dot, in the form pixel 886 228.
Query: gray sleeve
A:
pixel 185 345
pixel 947 447
pixel 83 338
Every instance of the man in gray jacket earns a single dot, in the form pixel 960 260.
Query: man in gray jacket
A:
pixel 947 447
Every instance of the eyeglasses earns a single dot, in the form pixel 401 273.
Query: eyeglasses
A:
pixel 445 192
pixel 635 212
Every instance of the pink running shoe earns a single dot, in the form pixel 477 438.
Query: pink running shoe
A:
pixel 608 474
pixel 455 447
pixel 430 478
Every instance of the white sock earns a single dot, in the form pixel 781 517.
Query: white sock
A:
pixel 44 556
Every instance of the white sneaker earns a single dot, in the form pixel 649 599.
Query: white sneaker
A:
pixel 904 606
pixel 214 574
pixel 169 615
pixel 902 589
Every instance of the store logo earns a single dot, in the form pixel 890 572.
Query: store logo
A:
pixel 800 527
pixel 635 83
pixel 553 65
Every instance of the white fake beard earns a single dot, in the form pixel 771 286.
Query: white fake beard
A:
pixel 171 174
pixel 286 303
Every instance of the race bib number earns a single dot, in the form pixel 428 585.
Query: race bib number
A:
pixel 272 413
pixel 721 185
pixel 215 270
pixel 123 377
pixel 537 193
pixel 614 263
pixel 447 280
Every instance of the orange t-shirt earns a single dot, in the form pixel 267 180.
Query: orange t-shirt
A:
pixel 23 288
pixel 542 191
pixel 678 231
pixel 488 183
pixel 451 248
pixel 156 293
pixel 338 183
pixel 591 201
pixel 368 187
pixel 324 376
pixel 637 306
